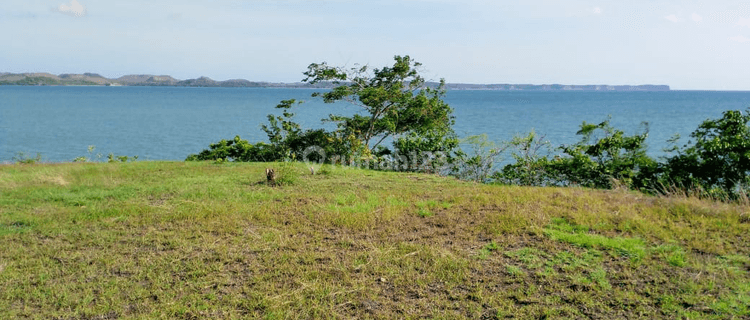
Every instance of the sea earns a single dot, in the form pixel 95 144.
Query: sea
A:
pixel 61 123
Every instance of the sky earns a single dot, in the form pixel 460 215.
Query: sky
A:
pixel 689 45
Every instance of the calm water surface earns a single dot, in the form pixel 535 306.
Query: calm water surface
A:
pixel 169 123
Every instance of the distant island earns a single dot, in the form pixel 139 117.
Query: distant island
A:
pixel 93 79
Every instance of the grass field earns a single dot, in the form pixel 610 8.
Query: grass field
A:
pixel 148 240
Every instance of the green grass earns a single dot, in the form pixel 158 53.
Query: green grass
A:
pixel 633 248
pixel 163 240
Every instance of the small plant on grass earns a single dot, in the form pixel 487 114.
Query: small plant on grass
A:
pixel 425 208
pixel 113 158
pixel 674 255
pixel 515 271
pixel 23 158
pixel 90 149
pixel 599 276
pixel 424 213
pixel 487 250
pixel 531 257
pixel 110 157
pixel 286 174
pixel 325 170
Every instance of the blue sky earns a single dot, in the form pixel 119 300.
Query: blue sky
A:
pixel 685 44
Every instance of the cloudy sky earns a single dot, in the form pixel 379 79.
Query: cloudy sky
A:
pixel 685 44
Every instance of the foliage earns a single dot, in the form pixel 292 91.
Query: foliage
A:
pixel 431 151
pixel 22 158
pixel 90 150
pixel 287 173
pixel 719 158
pixel 603 158
pixel 477 166
pixel 309 145
pixel 238 149
pixel 282 128
pixel 114 158
pixel 715 164
pixel 110 157
pixel 287 141
pixel 531 166
pixel 396 104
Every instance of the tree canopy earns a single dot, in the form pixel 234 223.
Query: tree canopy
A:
pixel 395 102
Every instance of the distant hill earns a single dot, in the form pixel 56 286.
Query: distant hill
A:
pixel 146 79
pixel 47 79
pixel 86 77
pixel 200 82
pixel 94 79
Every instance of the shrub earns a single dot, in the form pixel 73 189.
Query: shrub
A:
pixel 718 160
pixel 238 149
pixel 531 166
pixel 22 158
pixel 478 164
pixel 600 162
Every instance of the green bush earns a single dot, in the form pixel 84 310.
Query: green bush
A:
pixel 604 157
pixel 531 167
pixel 717 160
pixel 238 150
pixel 716 163
pixel 477 165
pixel 22 158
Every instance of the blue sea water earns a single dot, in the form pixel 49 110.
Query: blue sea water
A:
pixel 169 123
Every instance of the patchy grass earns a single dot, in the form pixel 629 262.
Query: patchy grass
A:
pixel 633 248
pixel 150 240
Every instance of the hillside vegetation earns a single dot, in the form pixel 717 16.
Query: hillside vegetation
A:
pixel 146 240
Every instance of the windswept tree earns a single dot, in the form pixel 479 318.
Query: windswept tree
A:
pixel 395 102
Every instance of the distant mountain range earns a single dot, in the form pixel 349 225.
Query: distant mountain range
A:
pixel 93 79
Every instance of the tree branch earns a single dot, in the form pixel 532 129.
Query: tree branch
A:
pixel 381 140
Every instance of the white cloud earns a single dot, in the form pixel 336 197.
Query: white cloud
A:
pixel 673 18
pixel 696 17
pixel 744 22
pixel 740 39
pixel 598 10
pixel 75 9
